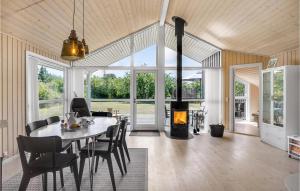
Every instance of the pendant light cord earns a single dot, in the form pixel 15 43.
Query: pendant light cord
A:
pixel 74 15
pixel 83 18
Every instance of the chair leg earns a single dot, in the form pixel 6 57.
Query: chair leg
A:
pixel 111 172
pixel 76 177
pixel 82 161
pixel 126 150
pixel 97 163
pixel 69 151
pixel 123 158
pixel 24 182
pixel 61 178
pixel 45 180
pixel 54 180
pixel 117 157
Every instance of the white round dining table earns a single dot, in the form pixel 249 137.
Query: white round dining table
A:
pixel 97 127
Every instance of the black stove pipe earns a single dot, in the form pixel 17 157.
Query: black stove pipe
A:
pixel 179 32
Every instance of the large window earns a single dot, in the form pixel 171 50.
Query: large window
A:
pixel 50 91
pixel 110 91
pixel 145 57
pixel 171 59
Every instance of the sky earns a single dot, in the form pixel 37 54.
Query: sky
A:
pixel 147 57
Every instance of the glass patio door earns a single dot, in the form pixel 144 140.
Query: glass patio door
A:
pixel 144 100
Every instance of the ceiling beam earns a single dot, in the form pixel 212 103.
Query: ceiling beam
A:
pixel 163 12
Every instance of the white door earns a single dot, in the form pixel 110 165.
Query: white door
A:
pixel 144 100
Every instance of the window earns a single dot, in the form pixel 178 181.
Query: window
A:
pixel 239 89
pixel 170 84
pixel 110 91
pixel 171 59
pixel 145 57
pixel 46 87
pixel 192 84
pixel 50 92
pixel 125 62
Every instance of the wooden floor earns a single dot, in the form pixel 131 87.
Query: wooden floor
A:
pixel 236 162
pixel 245 127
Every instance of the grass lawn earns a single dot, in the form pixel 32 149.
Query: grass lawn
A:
pixel 122 107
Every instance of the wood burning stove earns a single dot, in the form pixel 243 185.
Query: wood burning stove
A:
pixel 179 109
pixel 179 119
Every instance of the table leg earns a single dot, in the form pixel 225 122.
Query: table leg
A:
pixel 91 164
pixel 93 158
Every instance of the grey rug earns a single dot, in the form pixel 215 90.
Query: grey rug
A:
pixel 150 133
pixel 135 179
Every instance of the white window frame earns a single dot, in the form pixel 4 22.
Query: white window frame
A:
pixel 32 97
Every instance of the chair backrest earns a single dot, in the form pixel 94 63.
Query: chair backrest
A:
pixel 112 133
pixel 37 145
pixel 53 119
pixel 123 129
pixel 35 125
pixel 101 114
pixel 80 106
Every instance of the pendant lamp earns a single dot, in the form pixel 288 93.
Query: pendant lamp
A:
pixel 84 49
pixel 70 49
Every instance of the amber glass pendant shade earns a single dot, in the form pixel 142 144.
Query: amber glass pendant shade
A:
pixel 86 47
pixel 81 50
pixel 70 49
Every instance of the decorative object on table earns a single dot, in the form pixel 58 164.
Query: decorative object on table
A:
pixel 294 146
pixel 272 62
pixel 84 122
pixel 216 130
pixel 72 123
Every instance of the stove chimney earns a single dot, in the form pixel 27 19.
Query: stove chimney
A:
pixel 179 32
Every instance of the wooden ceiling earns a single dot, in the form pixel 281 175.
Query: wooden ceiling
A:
pixel 253 26
pixel 48 22
pixel 250 75
pixel 257 26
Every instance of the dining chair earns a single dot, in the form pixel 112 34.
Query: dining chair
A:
pixel 49 159
pixel 101 114
pixel 53 119
pixel 104 150
pixel 121 143
pixel 66 145
pixel 80 106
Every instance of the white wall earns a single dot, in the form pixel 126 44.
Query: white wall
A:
pixel 213 99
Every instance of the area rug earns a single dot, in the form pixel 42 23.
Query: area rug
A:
pixel 146 133
pixel 135 179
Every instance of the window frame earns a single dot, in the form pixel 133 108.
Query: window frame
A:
pixel 32 84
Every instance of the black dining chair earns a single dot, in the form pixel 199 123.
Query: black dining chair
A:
pixel 49 159
pixel 53 119
pixel 104 150
pixel 121 143
pixel 66 145
pixel 80 106
pixel 101 114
